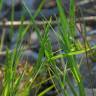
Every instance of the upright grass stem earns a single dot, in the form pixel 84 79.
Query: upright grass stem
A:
pixel 68 32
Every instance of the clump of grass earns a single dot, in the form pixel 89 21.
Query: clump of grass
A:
pixel 66 36
pixel 12 81
pixel 46 62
